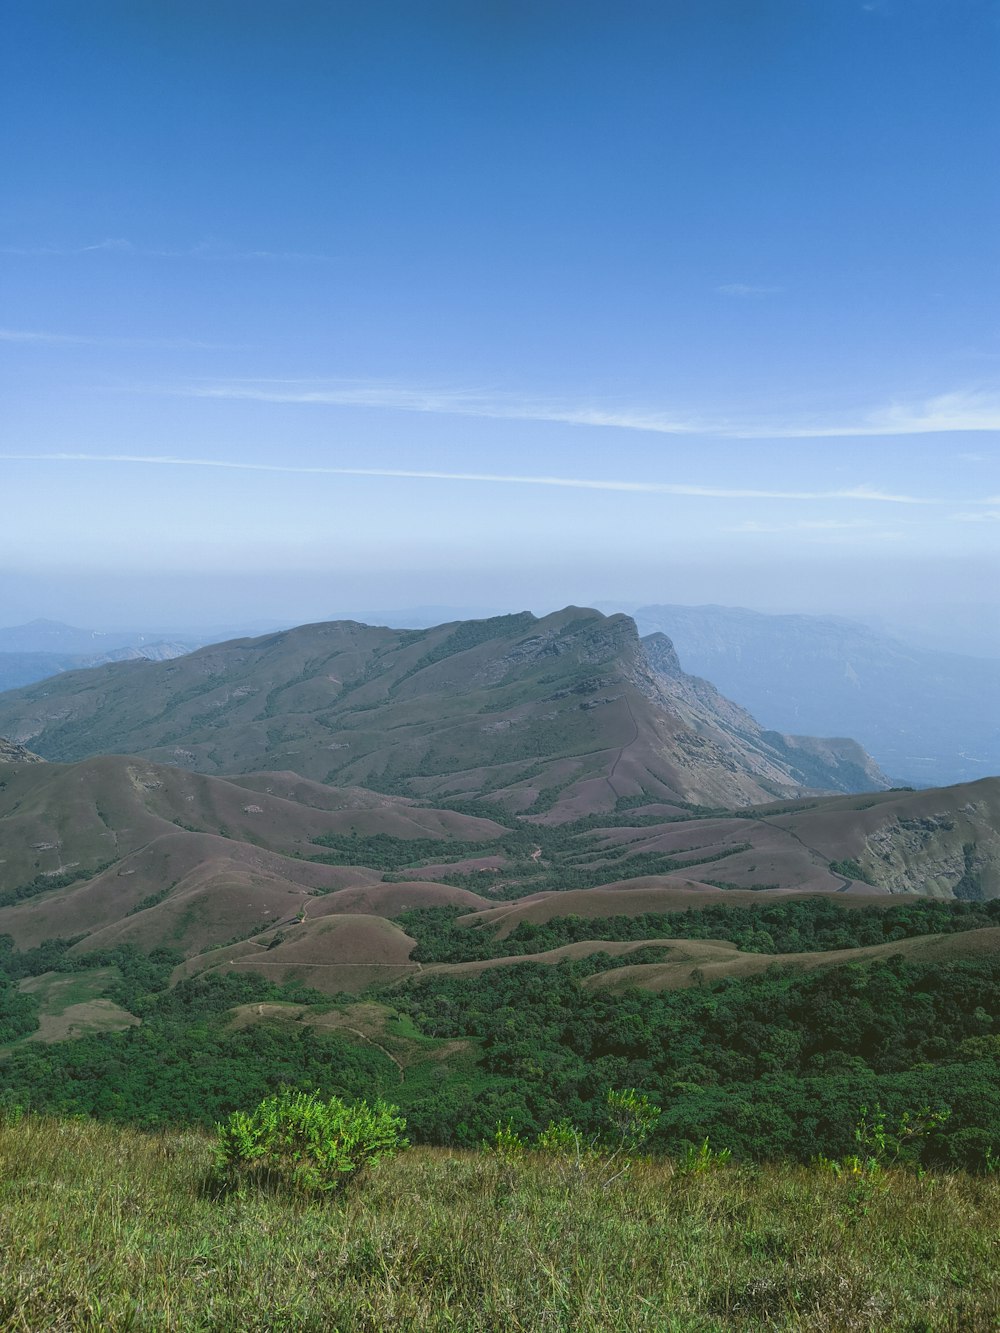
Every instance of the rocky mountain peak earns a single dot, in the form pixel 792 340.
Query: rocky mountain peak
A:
pixel 662 655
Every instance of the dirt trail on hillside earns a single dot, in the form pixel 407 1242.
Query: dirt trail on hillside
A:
pixel 379 1047
pixel 626 746
pixel 845 884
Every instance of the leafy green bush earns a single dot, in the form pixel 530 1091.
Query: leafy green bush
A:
pixel 633 1117
pixel 851 869
pixel 697 1161
pixel 295 1140
pixel 880 1146
pixel 506 1145
pixel 562 1138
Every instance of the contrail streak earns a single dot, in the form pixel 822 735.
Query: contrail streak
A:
pixel 861 493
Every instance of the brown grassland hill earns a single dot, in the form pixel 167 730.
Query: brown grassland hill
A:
pixel 235 873
pixel 122 850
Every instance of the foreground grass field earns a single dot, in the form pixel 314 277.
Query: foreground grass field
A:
pixel 110 1229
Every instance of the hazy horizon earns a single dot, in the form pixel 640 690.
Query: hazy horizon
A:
pixel 967 630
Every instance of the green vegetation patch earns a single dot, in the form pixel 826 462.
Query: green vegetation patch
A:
pixel 297 1141
pixel 807 925
pixel 188 1067
pixel 772 1066
pixel 58 991
pixel 18 1013
pixel 851 869
pixel 381 851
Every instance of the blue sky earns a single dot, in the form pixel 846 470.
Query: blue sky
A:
pixel 314 307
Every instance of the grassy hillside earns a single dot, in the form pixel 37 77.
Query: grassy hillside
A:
pixel 564 713
pixel 114 1229
pixel 118 850
pixel 122 850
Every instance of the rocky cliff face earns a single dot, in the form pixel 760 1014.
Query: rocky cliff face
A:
pixel 953 852
pixel 810 761
pixel 929 718
pixel 12 753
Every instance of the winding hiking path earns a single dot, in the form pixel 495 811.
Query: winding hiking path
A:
pixel 379 1047
pixel 626 746
pixel 845 884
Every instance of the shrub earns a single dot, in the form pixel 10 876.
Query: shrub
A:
pixel 633 1117
pixel 506 1144
pixel 881 1146
pixel 562 1138
pixel 698 1161
pixel 295 1140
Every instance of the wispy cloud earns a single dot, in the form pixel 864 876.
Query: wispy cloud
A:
pixel 746 289
pixel 959 411
pixel 863 494
pixel 447 402
pixel 803 525
pixel 37 338
pixel 981 515
pixel 819 531
pixel 207 250
pixel 111 244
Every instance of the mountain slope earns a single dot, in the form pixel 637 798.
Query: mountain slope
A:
pixel 120 850
pixel 563 715
pixel 927 717
pixel 162 856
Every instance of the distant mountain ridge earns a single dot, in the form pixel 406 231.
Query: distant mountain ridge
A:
pixel 560 715
pixel 54 636
pixel 44 648
pixel 17 669
pixel 927 717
